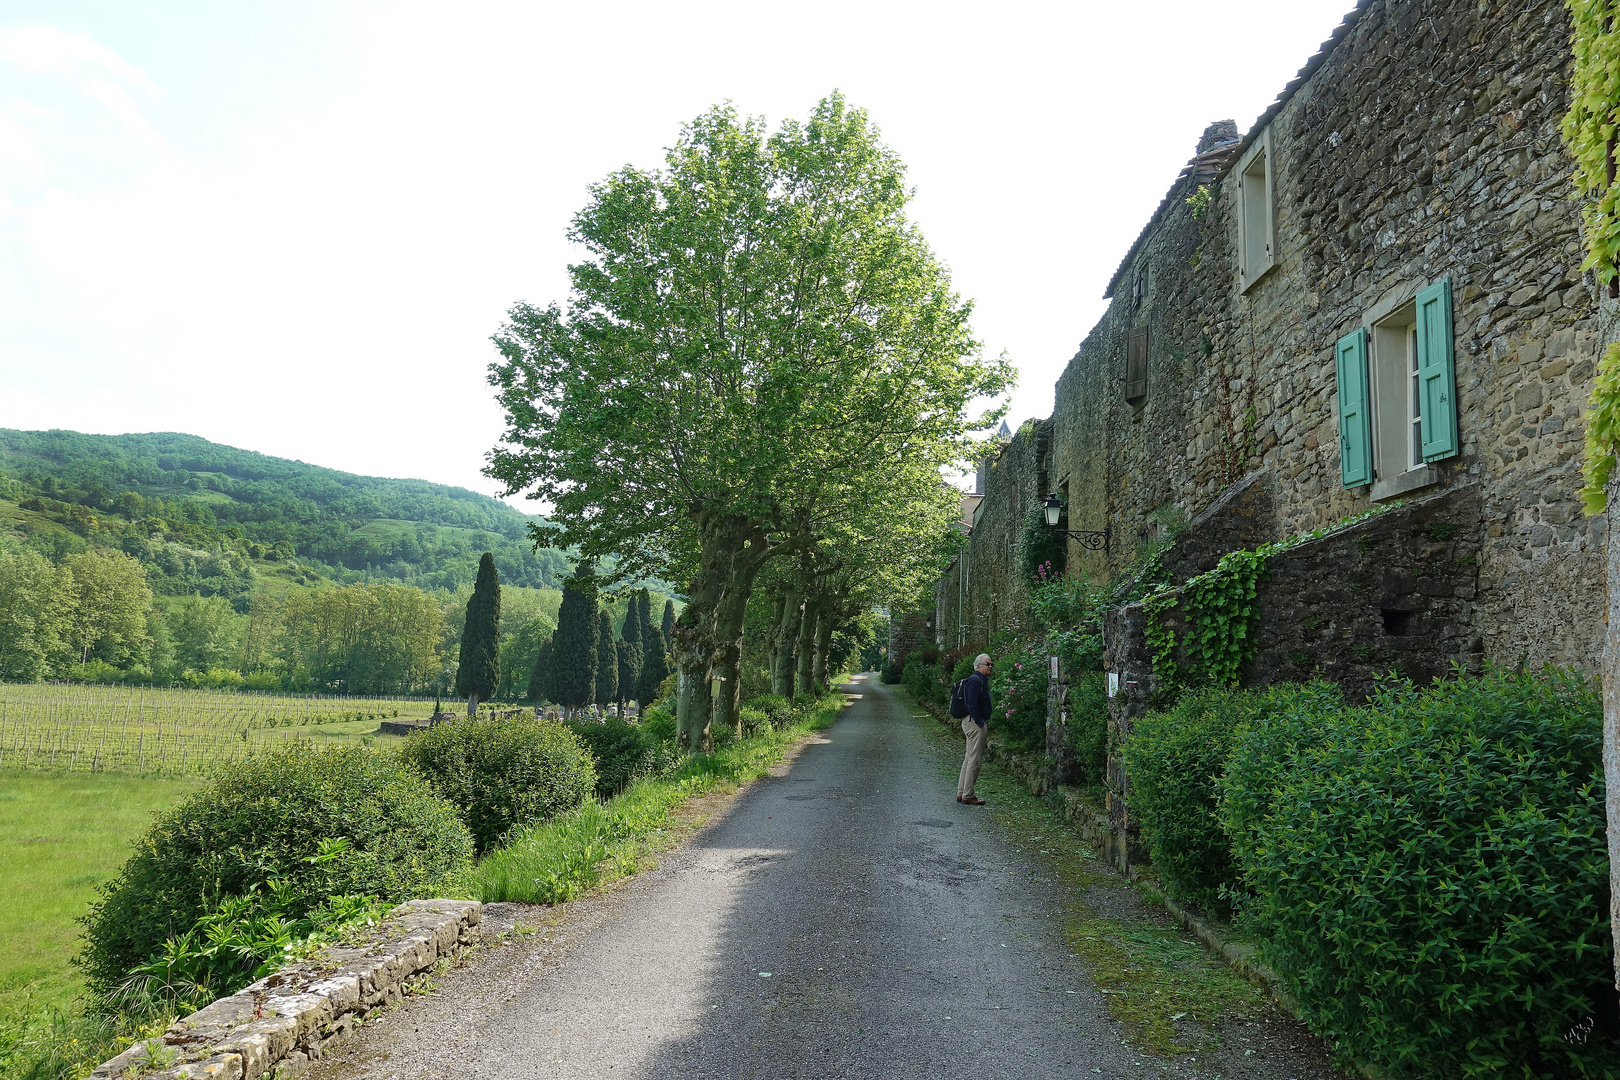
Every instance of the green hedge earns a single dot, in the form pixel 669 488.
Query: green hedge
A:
pixel 625 752
pixel 1175 760
pixel 1088 724
pixel 265 819
pixel 500 774
pixel 922 679
pixel 1430 875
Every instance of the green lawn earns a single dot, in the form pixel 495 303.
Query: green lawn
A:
pixel 61 834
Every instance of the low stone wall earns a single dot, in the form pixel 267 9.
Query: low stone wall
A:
pixel 281 1023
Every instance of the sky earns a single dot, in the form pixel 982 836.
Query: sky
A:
pixel 293 226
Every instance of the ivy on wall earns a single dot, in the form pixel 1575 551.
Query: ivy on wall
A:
pixel 1590 132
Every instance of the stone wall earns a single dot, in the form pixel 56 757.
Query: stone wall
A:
pixel 984 591
pixel 281 1023
pixel 1423 145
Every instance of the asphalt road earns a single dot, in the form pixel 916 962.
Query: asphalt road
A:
pixel 846 919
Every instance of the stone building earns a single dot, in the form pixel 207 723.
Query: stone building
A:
pixel 1373 297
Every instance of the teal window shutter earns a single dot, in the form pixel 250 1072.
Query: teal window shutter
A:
pixel 1355 425
pixel 1437 372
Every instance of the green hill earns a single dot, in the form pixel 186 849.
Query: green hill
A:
pixel 199 515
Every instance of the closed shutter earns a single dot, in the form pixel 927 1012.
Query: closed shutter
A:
pixel 1355 427
pixel 1437 372
pixel 1136 366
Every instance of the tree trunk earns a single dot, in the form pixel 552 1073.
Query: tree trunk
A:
pixel 708 635
pixel 785 634
pixel 806 648
pixel 1611 723
pixel 729 616
pixel 472 703
pixel 824 631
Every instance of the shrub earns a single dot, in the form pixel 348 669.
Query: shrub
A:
pixel 625 752
pixel 1434 882
pixel 777 710
pixel 894 672
pixel 1174 761
pixel 922 679
pixel 1088 724
pixel 1018 696
pixel 502 773
pixel 265 819
pixel 659 722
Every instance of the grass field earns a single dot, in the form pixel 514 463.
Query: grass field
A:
pixel 161 732
pixel 61 835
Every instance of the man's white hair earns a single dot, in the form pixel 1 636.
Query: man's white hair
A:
pixel 981 658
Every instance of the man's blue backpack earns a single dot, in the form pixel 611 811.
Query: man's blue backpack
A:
pixel 959 707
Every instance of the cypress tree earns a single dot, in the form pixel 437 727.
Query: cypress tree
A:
pixel 654 669
pixel 607 661
pixel 573 649
pixel 480 669
pixel 538 691
pixel 629 649
pixel 669 622
pixel 644 616
pixel 629 670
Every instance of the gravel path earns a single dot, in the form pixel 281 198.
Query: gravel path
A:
pixel 846 919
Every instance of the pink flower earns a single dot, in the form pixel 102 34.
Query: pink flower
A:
pixel 1020 667
pixel 1009 712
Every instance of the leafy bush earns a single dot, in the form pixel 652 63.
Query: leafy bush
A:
pixel 774 708
pixel 658 722
pixel 1018 695
pixel 625 752
pixel 894 672
pixel 502 773
pixel 1175 760
pixel 922 679
pixel 1434 880
pixel 1088 724
pixel 265 819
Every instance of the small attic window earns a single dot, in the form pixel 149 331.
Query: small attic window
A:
pixel 1257 240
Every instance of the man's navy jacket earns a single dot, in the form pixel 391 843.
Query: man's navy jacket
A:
pixel 977 695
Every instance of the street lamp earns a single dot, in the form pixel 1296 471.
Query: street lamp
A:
pixel 1090 539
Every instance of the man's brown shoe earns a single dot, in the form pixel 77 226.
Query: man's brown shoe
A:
pixel 971 800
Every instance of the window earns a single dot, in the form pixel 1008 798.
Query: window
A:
pixel 1257 241
pixel 1396 383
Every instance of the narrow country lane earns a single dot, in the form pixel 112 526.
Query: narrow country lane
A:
pixel 846 919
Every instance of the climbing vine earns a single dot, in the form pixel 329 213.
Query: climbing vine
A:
pixel 1222 608
pixel 1590 131
pixel 1161 640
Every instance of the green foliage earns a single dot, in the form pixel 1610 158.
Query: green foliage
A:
pixel 500 774
pixel 1175 760
pixel 655 668
pixel 625 752
pixel 1589 133
pixel 1161 641
pixel 667 627
pixel 540 674
pixel 479 671
pixel 574 646
pixel 921 675
pixel 1431 875
pixel 262 820
pixel 1088 723
pixel 1043 551
pixel 245 939
pixel 628 663
pixel 1221 606
pixel 1200 201
pixel 1018 693
pixel 607 661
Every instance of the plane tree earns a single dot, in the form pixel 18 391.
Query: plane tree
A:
pixel 755 331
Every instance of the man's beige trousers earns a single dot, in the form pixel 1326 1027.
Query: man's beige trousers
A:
pixel 975 757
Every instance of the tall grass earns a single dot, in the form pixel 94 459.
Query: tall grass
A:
pixel 600 842
pixel 158 731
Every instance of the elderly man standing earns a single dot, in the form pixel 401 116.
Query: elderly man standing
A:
pixel 976 727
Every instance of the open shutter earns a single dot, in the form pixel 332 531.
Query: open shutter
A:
pixel 1437 373
pixel 1355 426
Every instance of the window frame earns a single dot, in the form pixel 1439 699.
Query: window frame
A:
pixel 1256 212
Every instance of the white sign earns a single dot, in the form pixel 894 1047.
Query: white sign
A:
pixel 1054 667
pixel 1113 683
